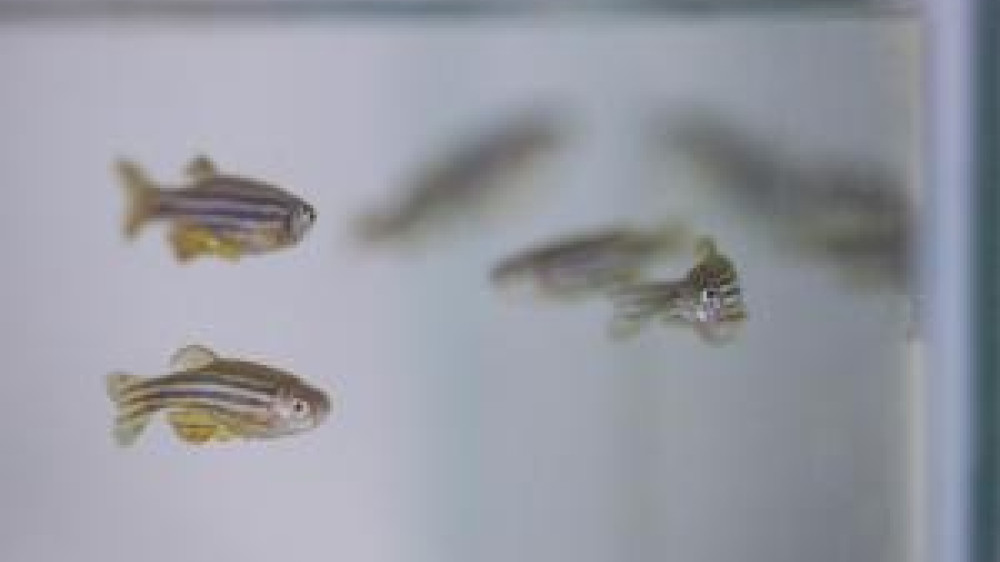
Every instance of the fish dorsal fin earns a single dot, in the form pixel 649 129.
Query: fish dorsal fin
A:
pixel 704 248
pixel 201 168
pixel 192 357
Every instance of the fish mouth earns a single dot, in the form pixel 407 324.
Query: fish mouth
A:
pixel 322 412
pixel 300 221
pixel 321 406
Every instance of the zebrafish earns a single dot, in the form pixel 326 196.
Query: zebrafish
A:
pixel 708 298
pixel 462 181
pixel 854 213
pixel 210 398
pixel 590 262
pixel 217 214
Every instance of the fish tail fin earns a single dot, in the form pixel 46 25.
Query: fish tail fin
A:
pixel 140 196
pixel 128 423
pixel 120 383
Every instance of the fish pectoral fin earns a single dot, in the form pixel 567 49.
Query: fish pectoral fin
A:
pixel 268 238
pixel 192 357
pixel 195 427
pixel 201 168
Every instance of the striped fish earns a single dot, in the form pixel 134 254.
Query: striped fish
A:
pixel 221 215
pixel 708 298
pixel 208 398
pixel 590 262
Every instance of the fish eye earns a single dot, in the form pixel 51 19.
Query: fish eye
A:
pixel 300 407
pixel 309 213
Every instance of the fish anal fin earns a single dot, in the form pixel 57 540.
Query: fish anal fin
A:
pixel 227 249
pixel 190 242
pixel 192 426
pixel 192 357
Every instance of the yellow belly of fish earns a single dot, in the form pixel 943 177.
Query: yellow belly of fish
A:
pixel 192 241
pixel 196 427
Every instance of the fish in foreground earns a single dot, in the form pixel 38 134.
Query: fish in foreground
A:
pixel 210 398
pixel 216 214
pixel 708 298
pixel 590 262
pixel 479 170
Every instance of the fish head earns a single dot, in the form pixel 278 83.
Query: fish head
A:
pixel 717 291
pixel 722 303
pixel 297 408
pixel 300 220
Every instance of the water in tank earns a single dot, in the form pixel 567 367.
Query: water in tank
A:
pixel 551 284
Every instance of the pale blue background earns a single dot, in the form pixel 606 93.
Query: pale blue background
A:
pixel 468 426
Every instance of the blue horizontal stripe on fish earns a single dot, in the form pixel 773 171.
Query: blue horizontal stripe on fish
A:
pixel 194 394
pixel 217 208
pixel 217 380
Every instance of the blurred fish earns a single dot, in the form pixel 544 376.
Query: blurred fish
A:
pixel 209 398
pixel 708 298
pixel 462 181
pixel 590 262
pixel 854 214
pixel 221 215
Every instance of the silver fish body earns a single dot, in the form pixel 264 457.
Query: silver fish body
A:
pixel 230 397
pixel 587 263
